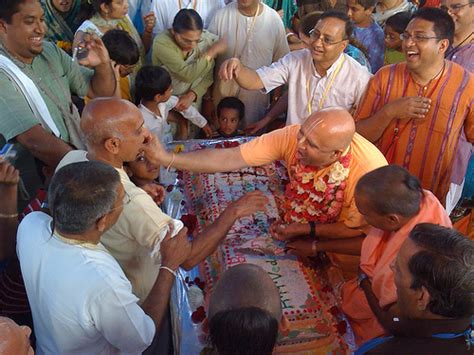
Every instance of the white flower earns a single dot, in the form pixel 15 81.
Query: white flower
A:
pixel 315 197
pixel 338 174
pixel 320 185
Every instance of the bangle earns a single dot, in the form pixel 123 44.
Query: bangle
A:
pixel 314 248
pixel 171 162
pixel 312 230
pixel 168 269
pixel 12 215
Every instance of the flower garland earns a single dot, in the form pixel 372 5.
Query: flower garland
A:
pixel 311 197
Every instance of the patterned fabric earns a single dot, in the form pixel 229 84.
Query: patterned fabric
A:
pixel 61 27
pixel 427 147
pixel 358 55
pixel 373 40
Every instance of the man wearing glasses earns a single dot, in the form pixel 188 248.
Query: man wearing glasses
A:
pixel 417 111
pixel 318 77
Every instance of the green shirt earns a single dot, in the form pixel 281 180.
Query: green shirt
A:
pixel 68 77
pixel 392 57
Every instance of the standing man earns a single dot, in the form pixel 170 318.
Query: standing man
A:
pixel 255 34
pixel 318 77
pixel 36 82
pixel 416 111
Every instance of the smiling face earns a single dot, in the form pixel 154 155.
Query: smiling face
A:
pixel 423 54
pixel 23 37
pixel 333 31
pixel 62 6
pixel 462 15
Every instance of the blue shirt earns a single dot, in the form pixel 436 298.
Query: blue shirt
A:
pixel 373 39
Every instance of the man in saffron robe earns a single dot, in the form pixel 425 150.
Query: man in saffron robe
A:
pixel 417 111
pixel 393 203
pixel 325 159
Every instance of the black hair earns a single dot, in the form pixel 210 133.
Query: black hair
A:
pixel 91 7
pixel 367 3
pixel 187 20
pixel 233 103
pixel 391 189
pixel 8 8
pixel 121 46
pixel 244 331
pixel 151 81
pixel 349 27
pixel 399 21
pixel 443 24
pixel 445 267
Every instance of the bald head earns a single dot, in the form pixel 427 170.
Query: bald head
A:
pixel 103 118
pixel 14 339
pixel 334 128
pixel 243 286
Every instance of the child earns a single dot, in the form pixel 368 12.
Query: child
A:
pixel 123 50
pixel 153 93
pixel 367 31
pixel 394 27
pixel 230 112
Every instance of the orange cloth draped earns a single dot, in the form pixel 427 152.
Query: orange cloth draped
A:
pixel 379 249
pixel 426 148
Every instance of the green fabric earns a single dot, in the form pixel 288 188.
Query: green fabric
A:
pixel 61 27
pixel 289 9
pixel 393 56
pixel 15 113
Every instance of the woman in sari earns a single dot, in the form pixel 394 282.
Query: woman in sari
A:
pixel 62 18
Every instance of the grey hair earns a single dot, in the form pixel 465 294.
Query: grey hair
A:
pixel 81 193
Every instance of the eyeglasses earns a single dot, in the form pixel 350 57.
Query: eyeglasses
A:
pixel 126 200
pixel 415 38
pixel 454 8
pixel 314 35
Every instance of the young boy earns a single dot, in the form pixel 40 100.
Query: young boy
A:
pixel 230 112
pixel 123 50
pixel 394 27
pixel 367 31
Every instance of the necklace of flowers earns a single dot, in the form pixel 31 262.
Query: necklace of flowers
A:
pixel 316 198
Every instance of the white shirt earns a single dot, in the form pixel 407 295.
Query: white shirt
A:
pixel 159 126
pixel 297 70
pixel 166 10
pixel 266 44
pixel 80 299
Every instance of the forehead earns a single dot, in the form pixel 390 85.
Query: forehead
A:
pixel 330 26
pixel 29 8
pixel 229 112
pixel 420 25
pixel 353 3
pixel 191 35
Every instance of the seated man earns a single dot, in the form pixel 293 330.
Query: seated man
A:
pixel 245 312
pixel 81 301
pixel 393 202
pixel 115 134
pixel 14 339
pixel 434 273
pixel 325 158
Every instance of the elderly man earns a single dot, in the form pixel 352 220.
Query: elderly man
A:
pixel 434 273
pixel 115 134
pixel 393 202
pixel 14 339
pixel 417 111
pixel 251 24
pixel 319 77
pixel 325 158
pixel 80 298
pixel 36 81
pixel 245 312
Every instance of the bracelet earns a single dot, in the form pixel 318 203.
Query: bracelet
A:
pixel 171 162
pixel 13 215
pixel 168 269
pixel 314 248
pixel 312 230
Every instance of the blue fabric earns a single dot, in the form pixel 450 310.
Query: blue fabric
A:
pixel 468 190
pixel 373 40
pixel 358 55
pixel 371 344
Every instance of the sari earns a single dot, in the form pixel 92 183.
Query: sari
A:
pixel 61 27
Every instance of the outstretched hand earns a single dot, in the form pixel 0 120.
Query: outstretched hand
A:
pixel 249 203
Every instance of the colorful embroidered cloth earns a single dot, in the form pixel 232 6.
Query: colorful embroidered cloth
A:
pixel 308 297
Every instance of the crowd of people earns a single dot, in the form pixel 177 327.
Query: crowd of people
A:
pixel 369 105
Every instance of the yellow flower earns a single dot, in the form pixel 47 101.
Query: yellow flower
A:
pixel 179 148
pixel 338 174
pixel 307 177
pixel 320 185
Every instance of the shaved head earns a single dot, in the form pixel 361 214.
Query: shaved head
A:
pixel 14 339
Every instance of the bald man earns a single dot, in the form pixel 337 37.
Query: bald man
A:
pixel 393 203
pixel 245 312
pixel 325 158
pixel 14 339
pixel 114 133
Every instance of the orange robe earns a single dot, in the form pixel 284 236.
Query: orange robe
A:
pixel 379 249
pixel 426 148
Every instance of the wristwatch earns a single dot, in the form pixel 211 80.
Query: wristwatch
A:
pixel 362 276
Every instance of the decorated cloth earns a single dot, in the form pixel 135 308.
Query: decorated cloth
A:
pixel 188 72
pixel 309 299
pixel 256 42
pixel 379 250
pixel 373 39
pixel 346 77
pixel 60 27
pixel 359 56
pixel 323 195
pixel 427 147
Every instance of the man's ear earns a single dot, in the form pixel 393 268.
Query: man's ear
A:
pixel 112 145
pixel 393 219
pixel 443 45
pixel 101 223
pixel 284 325
pixel 3 26
pixel 423 299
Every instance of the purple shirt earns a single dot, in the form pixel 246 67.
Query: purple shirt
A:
pixel 373 39
pixel 464 56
